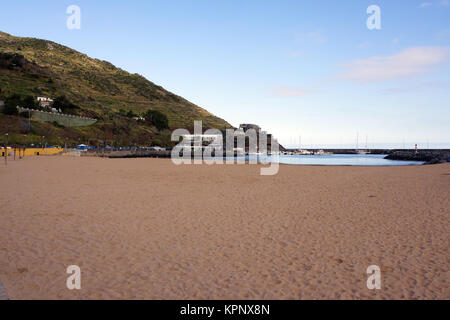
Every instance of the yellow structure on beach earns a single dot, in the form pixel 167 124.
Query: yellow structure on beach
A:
pixel 33 151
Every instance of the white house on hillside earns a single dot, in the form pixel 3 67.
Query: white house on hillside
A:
pixel 44 102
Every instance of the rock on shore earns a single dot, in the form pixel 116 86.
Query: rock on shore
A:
pixel 428 156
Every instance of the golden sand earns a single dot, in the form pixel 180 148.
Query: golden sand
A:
pixel 146 229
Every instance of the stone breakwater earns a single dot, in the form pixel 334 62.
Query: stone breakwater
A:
pixel 427 156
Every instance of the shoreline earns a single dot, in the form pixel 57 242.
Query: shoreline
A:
pixel 167 155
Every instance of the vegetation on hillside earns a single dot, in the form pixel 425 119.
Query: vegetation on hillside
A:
pixel 157 118
pixel 88 87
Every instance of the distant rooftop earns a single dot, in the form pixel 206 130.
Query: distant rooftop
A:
pixel 248 126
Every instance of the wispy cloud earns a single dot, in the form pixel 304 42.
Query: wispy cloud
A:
pixel 425 5
pixel 315 37
pixel 419 87
pixel 443 34
pixel 441 3
pixel 284 92
pixel 296 53
pixel 364 45
pixel 411 61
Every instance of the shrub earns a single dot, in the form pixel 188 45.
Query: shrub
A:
pixel 29 102
pixel 56 124
pixel 157 118
pixel 157 142
pixel 11 104
pixel 15 100
pixel 24 114
pixel 10 109
pixel 64 104
pixel 11 60
pixel 131 114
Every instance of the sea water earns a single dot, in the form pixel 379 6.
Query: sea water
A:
pixel 339 160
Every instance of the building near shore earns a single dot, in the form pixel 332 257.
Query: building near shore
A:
pixel 246 126
pixel 155 148
pixel 82 147
pixel 244 132
pixel 50 151
pixel 45 102
pixel 43 99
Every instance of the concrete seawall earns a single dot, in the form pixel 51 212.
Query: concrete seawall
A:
pixel 128 154
pixel 65 120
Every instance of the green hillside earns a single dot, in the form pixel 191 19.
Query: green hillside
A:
pixel 96 89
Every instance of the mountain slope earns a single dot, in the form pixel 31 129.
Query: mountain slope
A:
pixel 98 88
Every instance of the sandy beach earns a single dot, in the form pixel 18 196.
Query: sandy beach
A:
pixel 147 229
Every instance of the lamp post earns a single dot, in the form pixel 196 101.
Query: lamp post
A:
pixel 25 145
pixel 6 149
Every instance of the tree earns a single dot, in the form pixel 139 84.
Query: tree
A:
pixel 64 104
pixel 11 60
pixel 10 110
pixel 29 102
pixel 25 114
pixel 157 118
pixel 131 114
pixel 11 104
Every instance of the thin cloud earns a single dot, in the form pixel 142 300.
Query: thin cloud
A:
pixel 442 3
pixel 296 53
pixel 420 87
pixel 315 37
pixel 409 62
pixel 284 92
pixel 425 5
pixel 364 45
pixel 443 34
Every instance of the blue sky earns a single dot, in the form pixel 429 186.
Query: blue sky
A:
pixel 297 68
